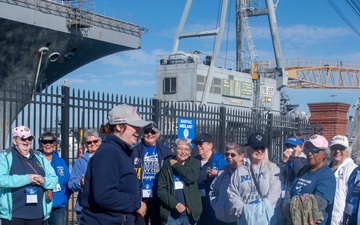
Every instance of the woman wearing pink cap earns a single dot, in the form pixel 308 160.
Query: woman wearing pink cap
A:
pixel 315 187
pixel 25 176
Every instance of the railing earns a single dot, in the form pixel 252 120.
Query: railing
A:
pixel 64 8
pixel 66 111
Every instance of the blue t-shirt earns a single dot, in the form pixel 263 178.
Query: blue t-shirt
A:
pixel 151 169
pixel 321 183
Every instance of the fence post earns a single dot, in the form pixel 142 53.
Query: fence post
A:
pixel 155 110
pixel 65 109
pixel 269 133
pixel 222 129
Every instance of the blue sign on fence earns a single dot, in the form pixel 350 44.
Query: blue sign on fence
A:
pixel 186 128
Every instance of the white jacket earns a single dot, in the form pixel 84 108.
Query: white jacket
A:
pixel 219 199
pixel 242 189
pixel 342 175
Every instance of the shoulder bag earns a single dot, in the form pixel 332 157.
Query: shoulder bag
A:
pixel 259 212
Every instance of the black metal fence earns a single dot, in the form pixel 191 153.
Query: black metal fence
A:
pixel 68 112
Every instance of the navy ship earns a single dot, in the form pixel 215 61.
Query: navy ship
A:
pixel 42 41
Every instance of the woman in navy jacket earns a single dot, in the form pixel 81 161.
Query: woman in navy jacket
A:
pixel 111 193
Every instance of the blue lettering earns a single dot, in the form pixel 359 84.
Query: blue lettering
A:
pixel 244 178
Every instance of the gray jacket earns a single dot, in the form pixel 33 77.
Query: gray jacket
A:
pixel 242 189
pixel 218 195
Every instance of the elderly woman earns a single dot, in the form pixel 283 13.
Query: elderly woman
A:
pixel 316 180
pixel 25 176
pixel 76 181
pixel 219 200
pixel 111 194
pixel 342 165
pixel 177 188
pixel 257 171
pixel 61 192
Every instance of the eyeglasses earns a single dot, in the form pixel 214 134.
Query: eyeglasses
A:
pixel 90 142
pixel 290 146
pixel 26 139
pixel 149 131
pixel 231 154
pixel 183 149
pixel 48 142
pixel 259 148
pixel 312 150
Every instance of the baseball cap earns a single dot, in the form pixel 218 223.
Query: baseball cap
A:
pixel 202 137
pixel 292 140
pixel 126 114
pixel 257 140
pixel 151 126
pixel 22 132
pixel 318 141
pixel 340 140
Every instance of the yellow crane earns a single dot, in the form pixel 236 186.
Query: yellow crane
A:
pixel 322 74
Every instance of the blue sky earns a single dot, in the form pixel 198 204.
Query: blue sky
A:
pixel 308 29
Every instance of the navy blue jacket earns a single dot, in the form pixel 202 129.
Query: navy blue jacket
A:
pixel 204 181
pixel 138 159
pixel 111 193
pixel 352 199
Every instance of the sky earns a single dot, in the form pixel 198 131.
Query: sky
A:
pixel 308 29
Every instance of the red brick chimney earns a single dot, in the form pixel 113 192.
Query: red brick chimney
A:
pixel 332 116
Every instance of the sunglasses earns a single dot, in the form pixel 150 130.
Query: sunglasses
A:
pixel 334 148
pixel 231 154
pixel 47 142
pixel 149 131
pixel 26 139
pixel 198 143
pixel 90 142
pixel 312 150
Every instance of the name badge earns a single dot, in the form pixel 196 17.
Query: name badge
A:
pixel 179 185
pixel 57 188
pixel 147 193
pixel 31 195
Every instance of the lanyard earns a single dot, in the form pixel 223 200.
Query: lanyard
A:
pixel 27 162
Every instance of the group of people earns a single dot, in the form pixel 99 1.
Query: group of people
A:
pixel 120 180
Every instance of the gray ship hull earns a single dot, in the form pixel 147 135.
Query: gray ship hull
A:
pixel 41 41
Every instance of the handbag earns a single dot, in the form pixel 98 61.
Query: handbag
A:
pixel 257 212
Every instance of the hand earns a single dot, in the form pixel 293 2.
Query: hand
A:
pixel 173 161
pixel 213 173
pixel 82 180
pixel 142 211
pixel 180 208
pixel 36 179
pixel 287 153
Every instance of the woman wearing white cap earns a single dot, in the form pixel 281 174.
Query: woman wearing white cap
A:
pixel 342 165
pixel 111 194
pixel 25 176
pixel 316 181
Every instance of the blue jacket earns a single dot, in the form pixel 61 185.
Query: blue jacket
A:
pixel 111 193
pixel 75 176
pixel 60 197
pixel 204 181
pixel 8 182
pixel 352 199
pixel 137 158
